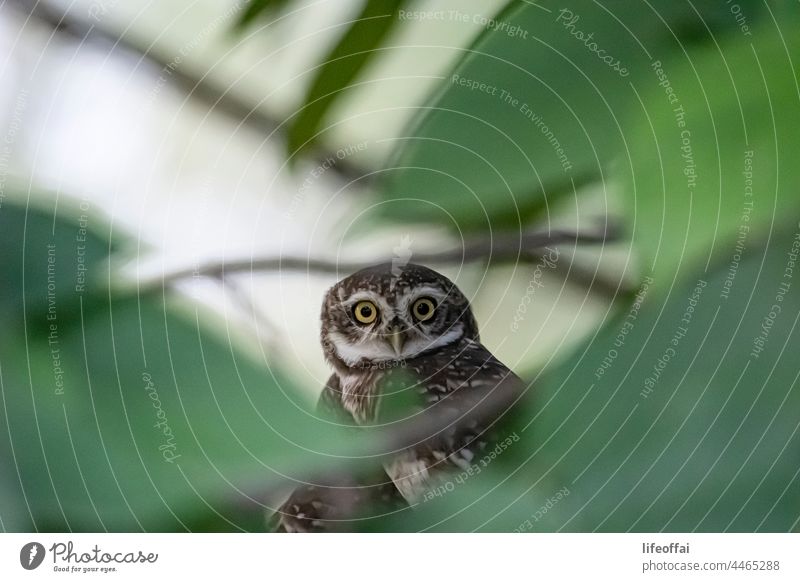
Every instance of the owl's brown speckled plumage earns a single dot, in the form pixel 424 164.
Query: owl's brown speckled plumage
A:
pixel 423 342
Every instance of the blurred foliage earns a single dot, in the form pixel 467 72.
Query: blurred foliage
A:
pixel 340 67
pixel 257 9
pixel 720 159
pixel 126 413
pixel 545 114
pixel 332 78
pixel 712 447
pixel 27 237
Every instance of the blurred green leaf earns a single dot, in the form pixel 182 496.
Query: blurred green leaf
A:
pixel 127 413
pixel 715 164
pixel 257 9
pixel 708 441
pixel 14 514
pixel 53 250
pixel 340 66
pixel 532 109
pixel 699 438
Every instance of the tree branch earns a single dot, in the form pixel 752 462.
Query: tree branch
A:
pixel 502 249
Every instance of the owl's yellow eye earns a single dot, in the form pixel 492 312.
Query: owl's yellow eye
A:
pixel 365 312
pixel 423 309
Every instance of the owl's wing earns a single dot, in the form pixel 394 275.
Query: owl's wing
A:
pixel 456 380
pixel 344 498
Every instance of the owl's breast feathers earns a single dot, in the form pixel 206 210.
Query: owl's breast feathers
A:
pixel 453 381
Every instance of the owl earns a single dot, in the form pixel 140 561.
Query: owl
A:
pixel 400 333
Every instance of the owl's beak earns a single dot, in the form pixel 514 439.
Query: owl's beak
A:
pixel 397 338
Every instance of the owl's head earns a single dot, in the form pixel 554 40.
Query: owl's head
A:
pixel 387 313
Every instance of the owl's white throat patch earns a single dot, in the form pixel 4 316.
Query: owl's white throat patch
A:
pixel 378 349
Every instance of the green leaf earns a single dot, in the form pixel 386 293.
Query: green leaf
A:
pixel 716 165
pixel 707 441
pixel 14 514
pixel 51 253
pixel 686 425
pixel 129 414
pixel 339 67
pixel 258 9
pixel 534 108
